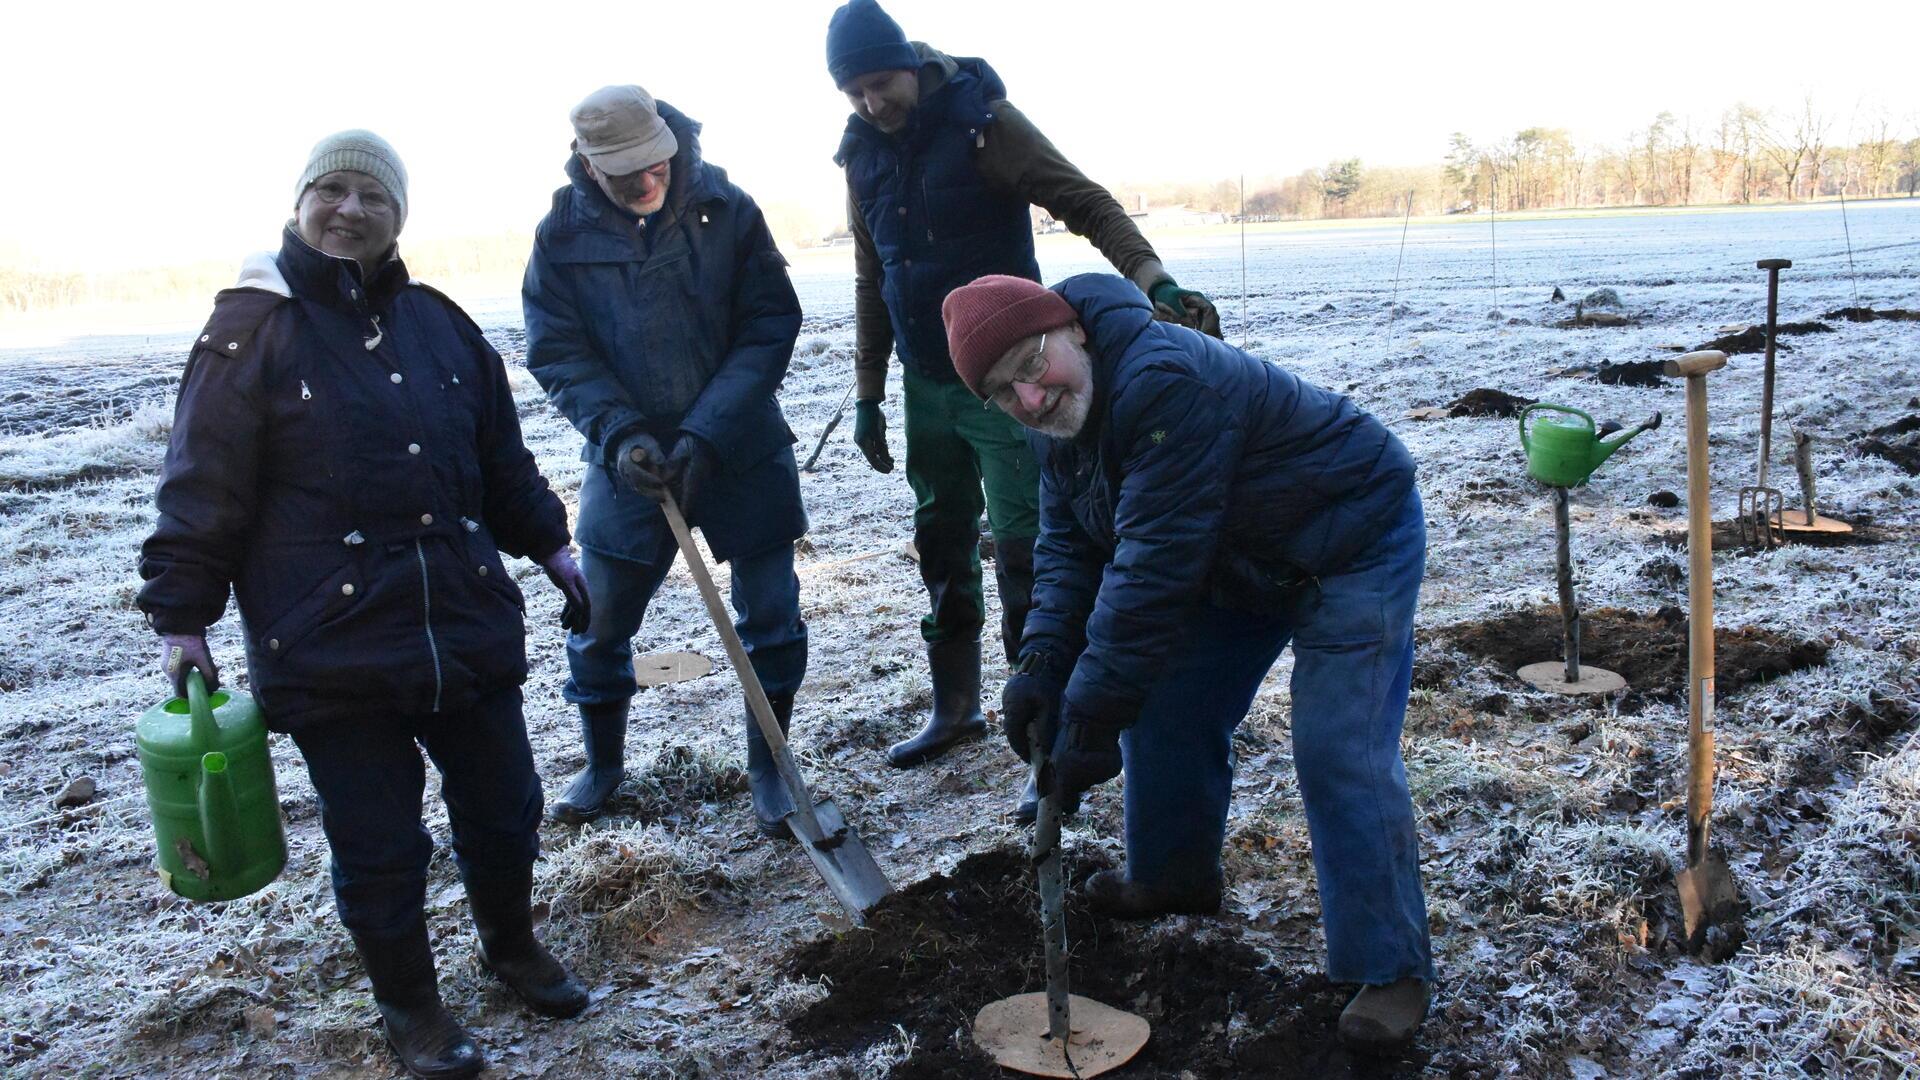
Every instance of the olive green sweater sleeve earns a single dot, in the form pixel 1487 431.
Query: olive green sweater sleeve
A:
pixel 872 328
pixel 1015 157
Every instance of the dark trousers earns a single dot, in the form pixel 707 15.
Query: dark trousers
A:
pixel 766 605
pixel 1352 638
pixel 370 779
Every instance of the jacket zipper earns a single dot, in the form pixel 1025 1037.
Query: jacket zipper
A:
pixel 305 394
pixel 426 601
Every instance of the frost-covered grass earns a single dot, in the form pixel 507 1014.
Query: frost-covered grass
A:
pixel 1550 828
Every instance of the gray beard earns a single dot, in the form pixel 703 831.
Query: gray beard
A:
pixel 1068 417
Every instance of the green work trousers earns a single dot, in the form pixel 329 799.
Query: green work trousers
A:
pixel 956 447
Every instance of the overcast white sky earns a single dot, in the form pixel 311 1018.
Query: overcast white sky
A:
pixel 160 133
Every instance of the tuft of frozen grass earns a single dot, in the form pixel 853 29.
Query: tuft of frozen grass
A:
pixel 630 878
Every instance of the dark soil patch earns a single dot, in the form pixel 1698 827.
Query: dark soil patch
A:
pixel 1867 314
pixel 1648 649
pixel 1803 328
pixel 1632 373
pixel 1488 402
pixel 1751 340
pixel 1898 442
pixel 932 955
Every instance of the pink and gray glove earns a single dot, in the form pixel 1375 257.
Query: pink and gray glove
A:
pixel 565 574
pixel 181 653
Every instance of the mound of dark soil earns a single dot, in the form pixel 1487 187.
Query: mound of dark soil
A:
pixel 1867 314
pixel 1751 340
pixel 933 954
pixel 1898 442
pixel 1632 373
pixel 1488 402
pixel 1810 327
pixel 1648 649
pixel 1727 535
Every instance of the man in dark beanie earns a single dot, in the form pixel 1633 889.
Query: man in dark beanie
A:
pixel 1199 510
pixel 941 172
pixel 661 321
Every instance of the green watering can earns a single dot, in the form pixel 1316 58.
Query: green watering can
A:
pixel 1563 453
pixel 209 780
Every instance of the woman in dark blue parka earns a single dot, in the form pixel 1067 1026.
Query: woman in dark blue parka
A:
pixel 347 458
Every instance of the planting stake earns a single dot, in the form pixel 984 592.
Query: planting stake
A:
pixel 1709 899
pixel 1012 1029
pixel 1809 521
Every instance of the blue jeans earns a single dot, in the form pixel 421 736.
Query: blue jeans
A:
pixel 1352 639
pixel 766 605
pixel 370 780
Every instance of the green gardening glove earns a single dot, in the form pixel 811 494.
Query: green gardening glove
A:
pixel 1186 307
pixel 870 434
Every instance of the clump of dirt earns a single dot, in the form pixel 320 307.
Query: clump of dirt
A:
pixel 933 954
pixel 1867 314
pixel 1727 535
pixel 1751 340
pixel 1810 327
pixel 1898 442
pixel 1488 402
pixel 1648 649
pixel 1632 373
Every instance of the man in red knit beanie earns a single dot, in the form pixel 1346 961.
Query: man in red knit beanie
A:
pixel 1200 510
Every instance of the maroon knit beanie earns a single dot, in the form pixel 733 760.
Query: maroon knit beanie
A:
pixel 989 315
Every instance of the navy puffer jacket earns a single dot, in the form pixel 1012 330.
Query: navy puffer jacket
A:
pixel 1202 474
pixel 347 456
pixel 683 325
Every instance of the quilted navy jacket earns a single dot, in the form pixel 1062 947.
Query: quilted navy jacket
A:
pixel 1203 474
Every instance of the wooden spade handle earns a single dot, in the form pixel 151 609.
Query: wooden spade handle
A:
pixel 1700 604
pixel 1697 363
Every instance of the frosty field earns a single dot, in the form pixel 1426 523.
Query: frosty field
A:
pixel 1550 826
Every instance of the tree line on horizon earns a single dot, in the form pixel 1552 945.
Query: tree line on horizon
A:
pixel 1748 155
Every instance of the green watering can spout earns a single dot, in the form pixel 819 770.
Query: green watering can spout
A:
pixel 1564 453
pixel 218 809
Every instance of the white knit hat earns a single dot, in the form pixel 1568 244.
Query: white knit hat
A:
pixel 362 152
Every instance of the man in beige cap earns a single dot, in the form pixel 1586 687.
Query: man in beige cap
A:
pixel 660 321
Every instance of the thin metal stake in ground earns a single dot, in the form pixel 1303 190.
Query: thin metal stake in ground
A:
pixel 1393 305
pixel 1243 260
pixel 1847 230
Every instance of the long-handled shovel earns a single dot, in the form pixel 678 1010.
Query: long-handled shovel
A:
pixel 1012 1029
pixel 830 842
pixel 1709 898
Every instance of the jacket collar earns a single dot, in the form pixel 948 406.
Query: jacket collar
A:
pixel 1114 314
pixel 953 89
pixel 312 274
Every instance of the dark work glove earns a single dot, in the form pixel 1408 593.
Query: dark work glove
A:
pixel 1186 307
pixel 870 435
pixel 639 463
pixel 688 470
pixel 181 653
pixel 1029 699
pixel 577 611
pixel 1086 755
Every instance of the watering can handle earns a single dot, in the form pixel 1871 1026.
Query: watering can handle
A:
pixel 202 726
pixel 1525 447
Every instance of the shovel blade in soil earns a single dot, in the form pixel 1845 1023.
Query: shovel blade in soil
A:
pixel 1711 907
pixel 1014 1032
pixel 842 859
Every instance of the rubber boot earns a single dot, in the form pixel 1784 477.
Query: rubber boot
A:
pixel 955 667
pixel 1013 570
pixel 426 1038
pixel 503 914
pixel 1111 893
pixel 603 731
pixel 1028 808
pixel 1384 1019
pixel 771 803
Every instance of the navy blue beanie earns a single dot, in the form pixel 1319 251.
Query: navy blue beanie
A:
pixel 861 38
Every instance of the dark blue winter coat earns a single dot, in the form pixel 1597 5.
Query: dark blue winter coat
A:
pixel 1202 474
pixel 683 325
pixel 934 221
pixel 346 454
